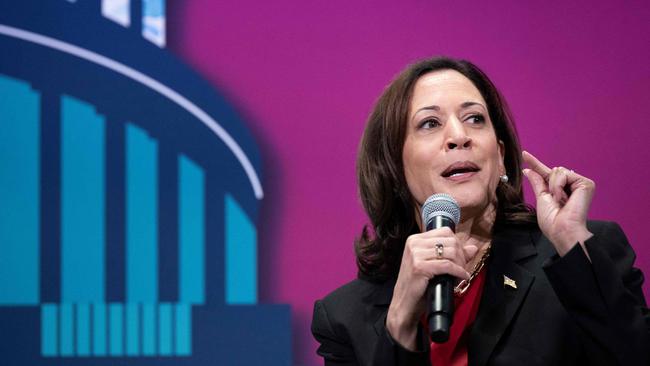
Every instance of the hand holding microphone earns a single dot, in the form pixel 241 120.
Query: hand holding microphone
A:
pixel 438 211
pixel 428 255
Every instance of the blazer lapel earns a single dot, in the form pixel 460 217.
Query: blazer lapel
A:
pixel 507 284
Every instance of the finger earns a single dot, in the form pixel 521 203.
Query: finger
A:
pixel 428 239
pixel 537 182
pixel 430 254
pixel 557 183
pixel 424 243
pixel 573 178
pixel 448 267
pixel 579 186
pixel 443 232
pixel 536 165
pixel 448 253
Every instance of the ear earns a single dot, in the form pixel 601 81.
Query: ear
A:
pixel 502 152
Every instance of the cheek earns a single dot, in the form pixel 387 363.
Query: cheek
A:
pixel 411 173
pixel 496 170
pixel 416 171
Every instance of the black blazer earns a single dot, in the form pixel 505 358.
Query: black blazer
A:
pixel 564 311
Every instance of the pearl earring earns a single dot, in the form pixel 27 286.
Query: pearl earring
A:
pixel 503 178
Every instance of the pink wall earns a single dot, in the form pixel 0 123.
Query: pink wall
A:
pixel 305 74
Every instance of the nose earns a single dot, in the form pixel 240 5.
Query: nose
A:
pixel 456 136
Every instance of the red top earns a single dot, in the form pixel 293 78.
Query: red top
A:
pixel 454 351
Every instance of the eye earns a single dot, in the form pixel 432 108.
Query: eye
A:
pixel 476 119
pixel 429 123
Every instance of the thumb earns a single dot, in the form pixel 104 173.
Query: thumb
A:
pixel 536 182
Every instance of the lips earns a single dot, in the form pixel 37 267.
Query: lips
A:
pixel 460 167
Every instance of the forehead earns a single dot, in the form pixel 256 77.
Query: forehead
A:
pixel 444 88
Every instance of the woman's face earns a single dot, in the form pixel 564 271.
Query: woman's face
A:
pixel 450 145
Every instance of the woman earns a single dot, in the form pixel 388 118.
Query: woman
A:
pixel 540 288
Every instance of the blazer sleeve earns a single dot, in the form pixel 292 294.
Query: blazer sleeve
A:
pixel 337 348
pixel 604 297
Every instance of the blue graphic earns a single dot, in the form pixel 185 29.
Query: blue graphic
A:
pixel 82 203
pixel 241 265
pixel 129 191
pixel 19 175
pixel 191 258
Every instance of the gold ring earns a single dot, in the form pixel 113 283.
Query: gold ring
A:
pixel 439 250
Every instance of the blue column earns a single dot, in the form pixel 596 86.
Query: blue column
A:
pixel 141 230
pixel 100 330
pixel 149 329
pixel 241 255
pixel 19 193
pixel 49 330
pixel 82 202
pixel 132 329
pixel 191 216
pixel 82 333
pixel 66 329
pixel 141 216
pixel 165 329
pixel 183 329
pixel 116 329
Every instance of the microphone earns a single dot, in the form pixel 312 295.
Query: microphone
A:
pixel 438 211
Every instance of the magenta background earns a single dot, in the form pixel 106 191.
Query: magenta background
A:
pixel 305 75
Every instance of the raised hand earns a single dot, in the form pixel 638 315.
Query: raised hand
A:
pixel 563 200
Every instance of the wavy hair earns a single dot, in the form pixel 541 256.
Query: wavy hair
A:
pixel 380 170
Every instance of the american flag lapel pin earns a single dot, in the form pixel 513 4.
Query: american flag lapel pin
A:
pixel 507 281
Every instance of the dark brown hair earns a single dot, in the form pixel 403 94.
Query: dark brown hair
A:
pixel 380 171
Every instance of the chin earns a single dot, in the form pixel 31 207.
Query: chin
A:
pixel 471 202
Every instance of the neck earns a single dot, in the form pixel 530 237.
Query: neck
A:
pixel 474 229
pixel 477 229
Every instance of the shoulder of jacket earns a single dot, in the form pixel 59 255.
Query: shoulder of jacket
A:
pixel 351 293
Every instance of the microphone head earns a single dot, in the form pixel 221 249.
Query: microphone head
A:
pixel 440 204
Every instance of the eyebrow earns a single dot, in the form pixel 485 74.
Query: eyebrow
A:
pixel 464 105
pixel 469 104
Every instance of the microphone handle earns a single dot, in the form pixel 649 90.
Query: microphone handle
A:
pixel 440 314
pixel 440 293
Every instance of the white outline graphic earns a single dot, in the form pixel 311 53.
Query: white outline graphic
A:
pixel 149 82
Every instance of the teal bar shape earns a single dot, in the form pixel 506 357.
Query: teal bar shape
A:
pixel 165 329
pixel 183 330
pixel 116 329
pixel 66 312
pixel 148 329
pixel 82 334
pixel 19 193
pixel 49 330
pixel 99 329
pixel 82 202
pixel 191 208
pixel 141 216
pixel 132 329
pixel 241 255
